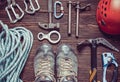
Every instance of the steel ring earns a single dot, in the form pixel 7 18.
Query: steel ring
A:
pixel 40 36
pixel 54 41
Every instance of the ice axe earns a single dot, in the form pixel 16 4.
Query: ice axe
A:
pixel 93 44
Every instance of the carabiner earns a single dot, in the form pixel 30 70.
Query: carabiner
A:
pixel 61 10
pixel 11 6
pixel 108 59
pixel 30 8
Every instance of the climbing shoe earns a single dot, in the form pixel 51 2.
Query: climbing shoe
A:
pixel 66 64
pixel 44 62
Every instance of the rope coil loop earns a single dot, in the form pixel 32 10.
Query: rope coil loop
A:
pixel 15 45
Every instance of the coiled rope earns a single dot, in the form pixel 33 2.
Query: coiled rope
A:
pixel 15 45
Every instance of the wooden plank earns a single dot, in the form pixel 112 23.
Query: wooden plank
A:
pixel 88 28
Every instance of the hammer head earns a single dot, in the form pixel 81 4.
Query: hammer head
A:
pixel 49 26
pixel 96 42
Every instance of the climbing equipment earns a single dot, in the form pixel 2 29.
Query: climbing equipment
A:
pixel 12 5
pixel 29 6
pixel 108 16
pixel 42 36
pixel 50 25
pixel 94 43
pixel 69 18
pixel 108 59
pixel 61 10
pixel 92 74
pixel 78 8
pixel 15 45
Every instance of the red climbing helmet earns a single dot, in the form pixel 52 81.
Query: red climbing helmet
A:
pixel 108 16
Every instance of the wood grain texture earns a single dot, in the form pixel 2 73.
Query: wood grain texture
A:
pixel 88 28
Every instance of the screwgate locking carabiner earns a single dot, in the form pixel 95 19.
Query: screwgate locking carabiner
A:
pixel 29 6
pixel 108 59
pixel 42 36
pixel 61 9
pixel 11 6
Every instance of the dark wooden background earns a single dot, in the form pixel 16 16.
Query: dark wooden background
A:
pixel 88 28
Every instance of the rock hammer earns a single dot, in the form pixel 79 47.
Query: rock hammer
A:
pixel 50 25
pixel 93 44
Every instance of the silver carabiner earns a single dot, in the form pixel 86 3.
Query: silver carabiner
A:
pixel 61 10
pixel 11 6
pixel 30 8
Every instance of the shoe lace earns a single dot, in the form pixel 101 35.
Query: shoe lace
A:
pixel 66 66
pixel 45 67
pixel 66 69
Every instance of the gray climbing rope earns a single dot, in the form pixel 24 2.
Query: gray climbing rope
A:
pixel 15 45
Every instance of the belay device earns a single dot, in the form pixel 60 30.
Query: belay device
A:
pixel 108 16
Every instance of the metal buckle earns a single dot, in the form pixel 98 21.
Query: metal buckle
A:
pixel 108 59
pixel 11 6
pixel 30 8
pixel 61 9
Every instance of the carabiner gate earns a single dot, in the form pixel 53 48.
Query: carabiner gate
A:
pixel 61 10
pixel 108 59
pixel 11 6
pixel 30 8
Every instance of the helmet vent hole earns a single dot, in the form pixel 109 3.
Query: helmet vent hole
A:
pixel 105 15
pixel 105 9
pixel 106 3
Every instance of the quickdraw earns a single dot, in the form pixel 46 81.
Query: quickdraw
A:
pixel 12 6
pixel 29 6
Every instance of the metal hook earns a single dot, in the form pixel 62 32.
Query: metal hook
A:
pixel 86 8
pixel 61 9
pixel 80 7
pixel 30 8
pixel 11 6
